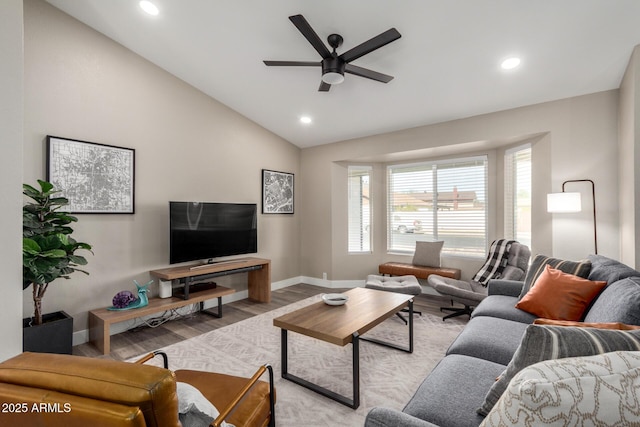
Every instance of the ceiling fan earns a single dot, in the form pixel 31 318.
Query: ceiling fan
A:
pixel 333 65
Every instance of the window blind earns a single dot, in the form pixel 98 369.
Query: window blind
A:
pixel 444 200
pixel 359 209
pixel 517 197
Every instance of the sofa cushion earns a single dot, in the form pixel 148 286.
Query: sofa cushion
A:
pixel 489 338
pixel 577 268
pixel 453 390
pixel 609 270
pixel 427 254
pixel 618 302
pixel 560 296
pixel 542 342
pixel 510 288
pixel 594 390
pixel 502 307
pixel 386 417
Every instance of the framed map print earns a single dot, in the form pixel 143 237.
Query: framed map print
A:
pixel 277 192
pixel 96 178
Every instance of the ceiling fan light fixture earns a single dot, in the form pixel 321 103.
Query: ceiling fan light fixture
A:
pixel 332 78
pixel 333 65
pixel 333 70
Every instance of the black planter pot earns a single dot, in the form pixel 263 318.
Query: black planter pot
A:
pixel 55 335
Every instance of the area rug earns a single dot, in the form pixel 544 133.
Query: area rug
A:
pixel 388 377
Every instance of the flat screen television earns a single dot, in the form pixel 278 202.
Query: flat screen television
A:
pixel 205 230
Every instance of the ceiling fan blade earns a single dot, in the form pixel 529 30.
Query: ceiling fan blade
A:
pixel 324 87
pixel 308 32
pixel 292 63
pixel 369 74
pixel 371 45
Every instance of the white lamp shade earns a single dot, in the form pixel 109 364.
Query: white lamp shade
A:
pixel 564 202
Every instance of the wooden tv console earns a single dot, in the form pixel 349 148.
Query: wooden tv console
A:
pixel 258 269
pixel 259 278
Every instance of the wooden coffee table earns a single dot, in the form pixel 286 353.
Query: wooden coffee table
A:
pixel 341 325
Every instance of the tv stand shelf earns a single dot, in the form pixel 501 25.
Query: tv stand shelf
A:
pixel 258 271
pixel 100 320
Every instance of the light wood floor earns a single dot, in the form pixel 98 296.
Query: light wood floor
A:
pixel 144 339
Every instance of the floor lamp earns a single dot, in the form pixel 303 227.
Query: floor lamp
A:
pixel 571 202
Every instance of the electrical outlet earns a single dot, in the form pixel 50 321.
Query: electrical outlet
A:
pixel 324 276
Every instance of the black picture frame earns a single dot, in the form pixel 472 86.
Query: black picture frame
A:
pixel 277 192
pixel 96 178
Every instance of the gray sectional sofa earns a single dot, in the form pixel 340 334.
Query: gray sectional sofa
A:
pixel 457 386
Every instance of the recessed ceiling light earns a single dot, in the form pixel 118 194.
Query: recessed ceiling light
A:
pixel 510 63
pixel 305 119
pixel 149 7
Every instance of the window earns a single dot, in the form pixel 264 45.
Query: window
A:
pixel 517 194
pixel 443 200
pixel 359 209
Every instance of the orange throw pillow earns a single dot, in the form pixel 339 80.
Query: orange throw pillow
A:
pixel 560 296
pixel 608 325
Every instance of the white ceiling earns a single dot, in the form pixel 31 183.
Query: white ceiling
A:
pixel 446 65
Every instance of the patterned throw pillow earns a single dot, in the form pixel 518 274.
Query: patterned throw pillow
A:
pixel 542 342
pixel 578 391
pixel 577 268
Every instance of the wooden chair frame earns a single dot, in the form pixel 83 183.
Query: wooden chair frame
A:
pixel 224 412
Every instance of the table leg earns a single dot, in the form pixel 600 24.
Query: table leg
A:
pixel 283 353
pixel 350 402
pixel 410 326
pixel 217 314
pixel 409 348
pixel 355 348
pixel 99 333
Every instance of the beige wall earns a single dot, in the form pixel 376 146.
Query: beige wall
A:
pixel 82 85
pixel 11 117
pixel 79 84
pixel 573 139
pixel 629 177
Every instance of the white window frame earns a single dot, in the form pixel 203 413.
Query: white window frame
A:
pixel 359 207
pixel 517 209
pixel 430 223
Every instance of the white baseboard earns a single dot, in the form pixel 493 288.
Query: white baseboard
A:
pixel 82 336
pixel 315 281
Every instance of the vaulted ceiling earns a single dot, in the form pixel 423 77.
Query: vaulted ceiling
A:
pixel 446 65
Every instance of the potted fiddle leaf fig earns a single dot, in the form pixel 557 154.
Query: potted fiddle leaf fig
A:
pixel 48 253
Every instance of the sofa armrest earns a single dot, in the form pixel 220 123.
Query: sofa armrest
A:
pixel 384 417
pixel 510 288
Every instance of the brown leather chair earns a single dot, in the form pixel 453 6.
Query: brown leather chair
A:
pixel 38 389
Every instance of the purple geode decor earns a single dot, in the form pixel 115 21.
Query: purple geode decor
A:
pixel 123 299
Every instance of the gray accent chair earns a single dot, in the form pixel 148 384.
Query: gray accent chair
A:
pixel 470 294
